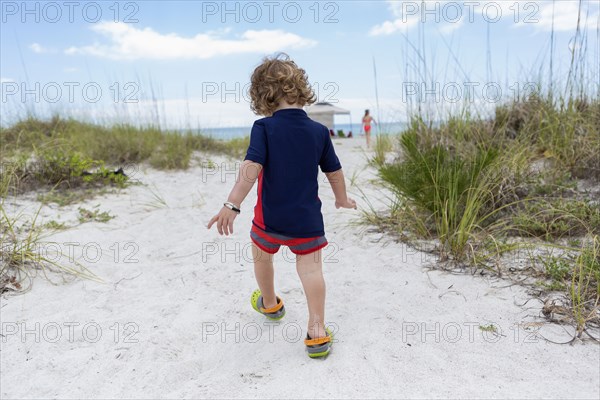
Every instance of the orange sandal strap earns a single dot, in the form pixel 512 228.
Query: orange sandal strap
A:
pixel 317 341
pixel 273 309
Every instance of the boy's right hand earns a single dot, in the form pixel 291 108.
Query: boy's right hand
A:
pixel 224 220
pixel 348 203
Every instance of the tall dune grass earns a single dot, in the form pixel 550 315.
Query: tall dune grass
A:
pixel 478 186
pixel 584 290
pixel 24 253
pixel 116 144
pixel 66 156
pixel 480 180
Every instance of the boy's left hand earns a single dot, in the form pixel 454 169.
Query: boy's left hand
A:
pixel 348 203
pixel 224 220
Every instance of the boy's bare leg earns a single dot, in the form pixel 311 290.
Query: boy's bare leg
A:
pixel 263 271
pixel 310 271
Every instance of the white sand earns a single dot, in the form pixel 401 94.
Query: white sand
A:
pixel 402 332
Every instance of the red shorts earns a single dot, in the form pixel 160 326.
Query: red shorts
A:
pixel 271 242
pixel 367 128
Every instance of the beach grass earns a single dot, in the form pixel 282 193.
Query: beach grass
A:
pixel 66 161
pixel 74 154
pixel 25 253
pixel 486 181
pixel 482 188
pixel 116 144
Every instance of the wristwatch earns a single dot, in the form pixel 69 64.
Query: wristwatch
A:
pixel 232 207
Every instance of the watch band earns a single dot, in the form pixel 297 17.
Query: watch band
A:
pixel 232 207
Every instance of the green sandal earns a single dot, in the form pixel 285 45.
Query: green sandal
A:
pixel 275 313
pixel 319 347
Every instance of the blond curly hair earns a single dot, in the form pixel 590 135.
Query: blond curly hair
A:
pixel 276 79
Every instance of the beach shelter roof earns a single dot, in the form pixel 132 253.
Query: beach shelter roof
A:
pixel 324 112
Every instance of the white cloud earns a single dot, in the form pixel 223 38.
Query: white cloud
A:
pixel 566 15
pixel 523 13
pixel 539 14
pixel 129 43
pixel 38 48
pixel 408 14
pixel 389 27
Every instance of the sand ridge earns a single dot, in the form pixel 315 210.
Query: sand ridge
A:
pixel 173 319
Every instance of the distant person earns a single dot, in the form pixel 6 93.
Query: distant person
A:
pixel 331 133
pixel 286 150
pixel 366 126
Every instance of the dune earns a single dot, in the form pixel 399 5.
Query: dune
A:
pixel 172 316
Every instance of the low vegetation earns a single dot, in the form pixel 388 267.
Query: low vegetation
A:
pixel 481 189
pixel 65 161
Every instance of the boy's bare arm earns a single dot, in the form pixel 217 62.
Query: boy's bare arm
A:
pixel 247 176
pixel 338 185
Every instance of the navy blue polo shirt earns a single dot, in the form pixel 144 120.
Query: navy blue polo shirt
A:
pixel 291 147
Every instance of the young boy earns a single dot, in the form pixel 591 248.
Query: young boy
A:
pixel 286 149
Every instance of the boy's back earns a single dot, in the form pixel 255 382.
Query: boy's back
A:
pixel 285 152
pixel 291 147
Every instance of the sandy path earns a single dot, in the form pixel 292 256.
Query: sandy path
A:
pixel 176 322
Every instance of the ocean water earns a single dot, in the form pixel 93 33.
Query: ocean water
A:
pixel 241 131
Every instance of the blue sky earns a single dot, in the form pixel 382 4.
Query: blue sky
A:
pixel 188 61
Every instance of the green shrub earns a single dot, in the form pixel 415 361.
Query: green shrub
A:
pixel 56 167
pixel 558 269
pixel 94 215
pixel 452 192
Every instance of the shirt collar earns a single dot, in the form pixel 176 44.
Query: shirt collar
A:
pixel 290 111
